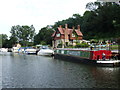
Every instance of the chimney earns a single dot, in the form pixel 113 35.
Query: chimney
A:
pixel 73 27
pixel 78 27
pixel 60 26
pixel 66 26
pixel 66 33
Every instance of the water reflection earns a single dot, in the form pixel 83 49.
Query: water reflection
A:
pixel 106 77
pixel 31 71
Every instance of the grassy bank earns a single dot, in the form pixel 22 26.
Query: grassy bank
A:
pixel 114 47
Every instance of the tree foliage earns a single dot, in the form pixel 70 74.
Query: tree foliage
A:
pixel 22 34
pixel 3 40
pixel 44 36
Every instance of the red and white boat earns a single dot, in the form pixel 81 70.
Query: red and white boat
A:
pixel 97 57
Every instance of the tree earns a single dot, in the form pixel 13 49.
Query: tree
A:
pixel 106 19
pixel 44 36
pixel 3 40
pixel 23 34
pixel 75 20
pixel 0 40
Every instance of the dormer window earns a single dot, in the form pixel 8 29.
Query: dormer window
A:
pixel 58 35
pixel 73 35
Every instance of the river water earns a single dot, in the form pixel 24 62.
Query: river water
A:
pixel 31 71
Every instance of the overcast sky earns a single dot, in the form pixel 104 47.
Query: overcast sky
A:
pixel 38 13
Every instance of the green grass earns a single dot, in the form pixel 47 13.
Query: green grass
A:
pixel 114 47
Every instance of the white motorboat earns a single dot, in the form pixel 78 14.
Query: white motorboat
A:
pixel 44 50
pixel 22 50
pixel 30 50
pixel 15 49
pixel 4 50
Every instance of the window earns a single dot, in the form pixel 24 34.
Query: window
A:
pixel 74 41
pixel 58 35
pixel 73 35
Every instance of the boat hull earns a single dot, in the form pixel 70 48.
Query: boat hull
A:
pixel 77 59
pixel 3 50
pixel 30 51
pixel 46 52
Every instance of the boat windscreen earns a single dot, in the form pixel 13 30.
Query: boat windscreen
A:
pixel 44 47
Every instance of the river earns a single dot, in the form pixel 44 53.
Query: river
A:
pixel 31 71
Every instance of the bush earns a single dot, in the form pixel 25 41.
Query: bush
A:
pixel 80 45
pixel 70 46
pixel 43 43
pixel 59 46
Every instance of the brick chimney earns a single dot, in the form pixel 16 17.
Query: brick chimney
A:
pixel 73 27
pixel 66 33
pixel 66 26
pixel 78 27
pixel 60 26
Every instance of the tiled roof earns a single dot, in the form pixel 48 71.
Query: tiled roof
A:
pixel 79 33
pixel 62 31
pixel 70 31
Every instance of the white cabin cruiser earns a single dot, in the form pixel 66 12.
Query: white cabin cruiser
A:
pixel 22 50
pixel 15 49
pixel 4 50
pixel 44 50
pixel 30 50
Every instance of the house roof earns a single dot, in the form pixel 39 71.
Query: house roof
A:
pixel 79 33
pixel 62 31
pixel 53 34
pixel 70 31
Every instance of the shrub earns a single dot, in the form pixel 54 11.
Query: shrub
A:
pixel 59 46
pixel 80 45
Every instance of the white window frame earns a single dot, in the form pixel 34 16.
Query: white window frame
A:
pixel 58 35
pixel 73 35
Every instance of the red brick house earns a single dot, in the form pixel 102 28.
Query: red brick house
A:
pixel 66 36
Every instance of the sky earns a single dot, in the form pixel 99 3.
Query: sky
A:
pixel 38 13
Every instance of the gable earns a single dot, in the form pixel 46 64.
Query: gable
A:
pixel 66 31
pixel 61 30
pixel 79 33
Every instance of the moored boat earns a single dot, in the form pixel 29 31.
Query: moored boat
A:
pixel 22 50
pixel 3 49
pixel 30 50
pixel 44 50
pixel 96 57
pixel 15 49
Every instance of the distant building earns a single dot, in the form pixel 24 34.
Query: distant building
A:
pixel 17 45
pixel 66 36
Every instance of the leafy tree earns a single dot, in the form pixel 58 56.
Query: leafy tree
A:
pixel 3 40
pixel 75 20
pixel 105 19
pixel 44 36
pixel 0 40
pixel 22 34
